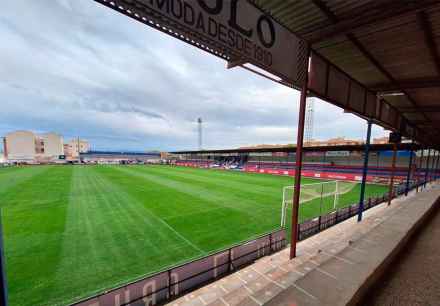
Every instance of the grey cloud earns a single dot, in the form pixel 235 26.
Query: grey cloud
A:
pixel 79 68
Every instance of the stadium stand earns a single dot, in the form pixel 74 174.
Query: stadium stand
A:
pixel 317 164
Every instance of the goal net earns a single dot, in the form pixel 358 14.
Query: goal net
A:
pixel 329 191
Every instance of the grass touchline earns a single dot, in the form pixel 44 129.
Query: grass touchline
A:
pixel 73 231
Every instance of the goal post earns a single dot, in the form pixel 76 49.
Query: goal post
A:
pixel 310 192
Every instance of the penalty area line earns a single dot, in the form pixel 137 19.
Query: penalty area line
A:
pixel 180 235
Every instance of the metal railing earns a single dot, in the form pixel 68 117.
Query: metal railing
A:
pixel 178 280
pixel 174 282
pixel 314 226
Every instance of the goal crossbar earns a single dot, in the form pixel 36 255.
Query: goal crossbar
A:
pixel 311 192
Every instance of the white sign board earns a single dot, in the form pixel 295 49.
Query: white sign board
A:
pixel 233 29
pixel 260 154
pixel 337 153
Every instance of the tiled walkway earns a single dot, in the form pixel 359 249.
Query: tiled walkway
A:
pixel 414 279
pixel 314 278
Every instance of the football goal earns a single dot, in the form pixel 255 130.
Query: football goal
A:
pixel 309 192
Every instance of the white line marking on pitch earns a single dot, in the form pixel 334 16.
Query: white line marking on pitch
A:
pixel 180 235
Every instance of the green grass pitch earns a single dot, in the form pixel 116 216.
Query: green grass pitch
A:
pixel 72 231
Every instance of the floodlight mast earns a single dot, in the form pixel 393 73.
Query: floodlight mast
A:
pixel 308 132
pixel 199 122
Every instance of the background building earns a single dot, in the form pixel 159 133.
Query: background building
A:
pixel 338 141
pixel 21 146
pixel 26 146
pixel 75 147
pixel 53 145
pixel 381 140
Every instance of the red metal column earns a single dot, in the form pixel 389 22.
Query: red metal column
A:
pixel 298 167
pixel 5 148
pixel 418 170
pixel 393 168
pixel 436 166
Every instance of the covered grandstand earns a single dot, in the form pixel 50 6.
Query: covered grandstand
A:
pixel 379 60
pixel 327 162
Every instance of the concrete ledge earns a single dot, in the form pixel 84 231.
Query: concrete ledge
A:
pixel 382 268
pixel 345 276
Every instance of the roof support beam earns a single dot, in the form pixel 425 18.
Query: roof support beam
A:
pixel 378 13
pixel 427 109
pixel 424 123
pixel 392 9
pixel 406 84
pixel 371 58
pixel 324 8
pixel 382 69
pixel 426 27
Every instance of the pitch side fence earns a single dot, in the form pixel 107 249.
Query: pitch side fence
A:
pixel 311 227
pixel 176 281
pixel 172 283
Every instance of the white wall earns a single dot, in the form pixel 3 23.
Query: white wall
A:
pixel 20 145
pixel 81 146
pixel 53 145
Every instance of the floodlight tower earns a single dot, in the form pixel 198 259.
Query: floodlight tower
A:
pixel 199 122
pixel 308 133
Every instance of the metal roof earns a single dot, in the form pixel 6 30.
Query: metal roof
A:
pixel 292 149
pixel 379 48
pixel 391 47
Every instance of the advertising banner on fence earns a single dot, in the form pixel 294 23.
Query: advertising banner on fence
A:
pixel 311 154
pixel 161 287
pixel 326 175
pixel 337 153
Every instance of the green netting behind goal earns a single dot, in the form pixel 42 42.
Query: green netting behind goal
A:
pixel 310 192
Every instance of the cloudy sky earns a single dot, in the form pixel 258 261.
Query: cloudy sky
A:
pixel 80 69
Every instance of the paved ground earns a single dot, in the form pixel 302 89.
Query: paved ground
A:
pixel 330 267
pixel 415 278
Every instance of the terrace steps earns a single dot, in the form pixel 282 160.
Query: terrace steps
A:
pixel 275 275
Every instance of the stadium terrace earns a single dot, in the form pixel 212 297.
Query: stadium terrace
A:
pixel 231 227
